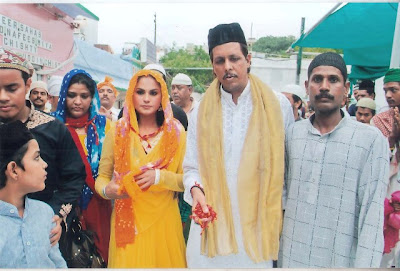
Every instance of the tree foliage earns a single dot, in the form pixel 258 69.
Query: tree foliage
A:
pixel 320 50
pixel 183 61
pixel 273 45
pixel 279 45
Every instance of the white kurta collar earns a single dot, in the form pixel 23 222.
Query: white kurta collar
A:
pixel 228 96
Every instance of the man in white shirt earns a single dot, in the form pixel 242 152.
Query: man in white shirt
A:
pixel 234 160
pixel 181 91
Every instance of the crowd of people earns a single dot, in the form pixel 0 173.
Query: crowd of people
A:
pixel 246 178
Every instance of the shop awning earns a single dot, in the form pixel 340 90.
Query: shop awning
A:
pixel 99 63
pixel 365 33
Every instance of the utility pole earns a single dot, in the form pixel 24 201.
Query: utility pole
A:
pixel 300 53
pixel 155 30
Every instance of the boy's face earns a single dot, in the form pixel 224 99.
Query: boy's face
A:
pixel 32 179
pixel 12 94
pixel 364 114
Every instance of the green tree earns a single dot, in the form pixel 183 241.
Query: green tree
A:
pixel 279 46
pixel 273 45
pixel 183 61
pixel 318 50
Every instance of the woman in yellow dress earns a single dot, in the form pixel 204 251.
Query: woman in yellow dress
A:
pixel 141 168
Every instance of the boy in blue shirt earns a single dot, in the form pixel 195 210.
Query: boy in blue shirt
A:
pixel 25 223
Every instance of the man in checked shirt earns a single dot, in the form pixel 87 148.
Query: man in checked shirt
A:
pixel 336 175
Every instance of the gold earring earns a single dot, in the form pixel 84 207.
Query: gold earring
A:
pixel 160 108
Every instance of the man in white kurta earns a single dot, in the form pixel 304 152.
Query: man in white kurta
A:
pixel 336 179
pixel 236 114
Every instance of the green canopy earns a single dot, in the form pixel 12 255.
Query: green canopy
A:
pixel 365 33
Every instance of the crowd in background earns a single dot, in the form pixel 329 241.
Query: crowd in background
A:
pixel 246 177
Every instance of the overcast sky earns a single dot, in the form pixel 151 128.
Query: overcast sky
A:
pixel 184 23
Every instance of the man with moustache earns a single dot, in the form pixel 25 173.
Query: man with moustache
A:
pixel 181 91
pixel 336 175
pixel 387 124
pixel 108 94
pixel 38 95
pixel 385 120
pixel 66 171
pixel 235 159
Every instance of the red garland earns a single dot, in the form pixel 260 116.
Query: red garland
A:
pixel 198 215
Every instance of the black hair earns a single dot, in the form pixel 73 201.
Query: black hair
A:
pixel 297 99
pixel 82 78
pixel 17 158
pixel 367 85
pixel 243 48
pixel 25 76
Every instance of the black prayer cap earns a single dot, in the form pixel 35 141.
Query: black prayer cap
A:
pixel 329 59
pixel 224 33
pixel 13 136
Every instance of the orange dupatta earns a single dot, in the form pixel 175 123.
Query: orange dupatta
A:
pixel 124 159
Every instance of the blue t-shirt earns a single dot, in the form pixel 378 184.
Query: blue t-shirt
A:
pixel 25 242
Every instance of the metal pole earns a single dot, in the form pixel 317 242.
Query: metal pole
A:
pixel 300 53
pixel 395 58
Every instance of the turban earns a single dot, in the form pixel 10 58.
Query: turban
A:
pixel 107 82
pixel 13 136
pixel 392 75
pixel 329 59
pixel 225 33
pixel 11 60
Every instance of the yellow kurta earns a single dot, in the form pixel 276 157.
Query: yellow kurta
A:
pixel 159 241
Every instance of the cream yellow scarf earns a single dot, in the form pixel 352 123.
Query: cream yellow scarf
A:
pixel 260 175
